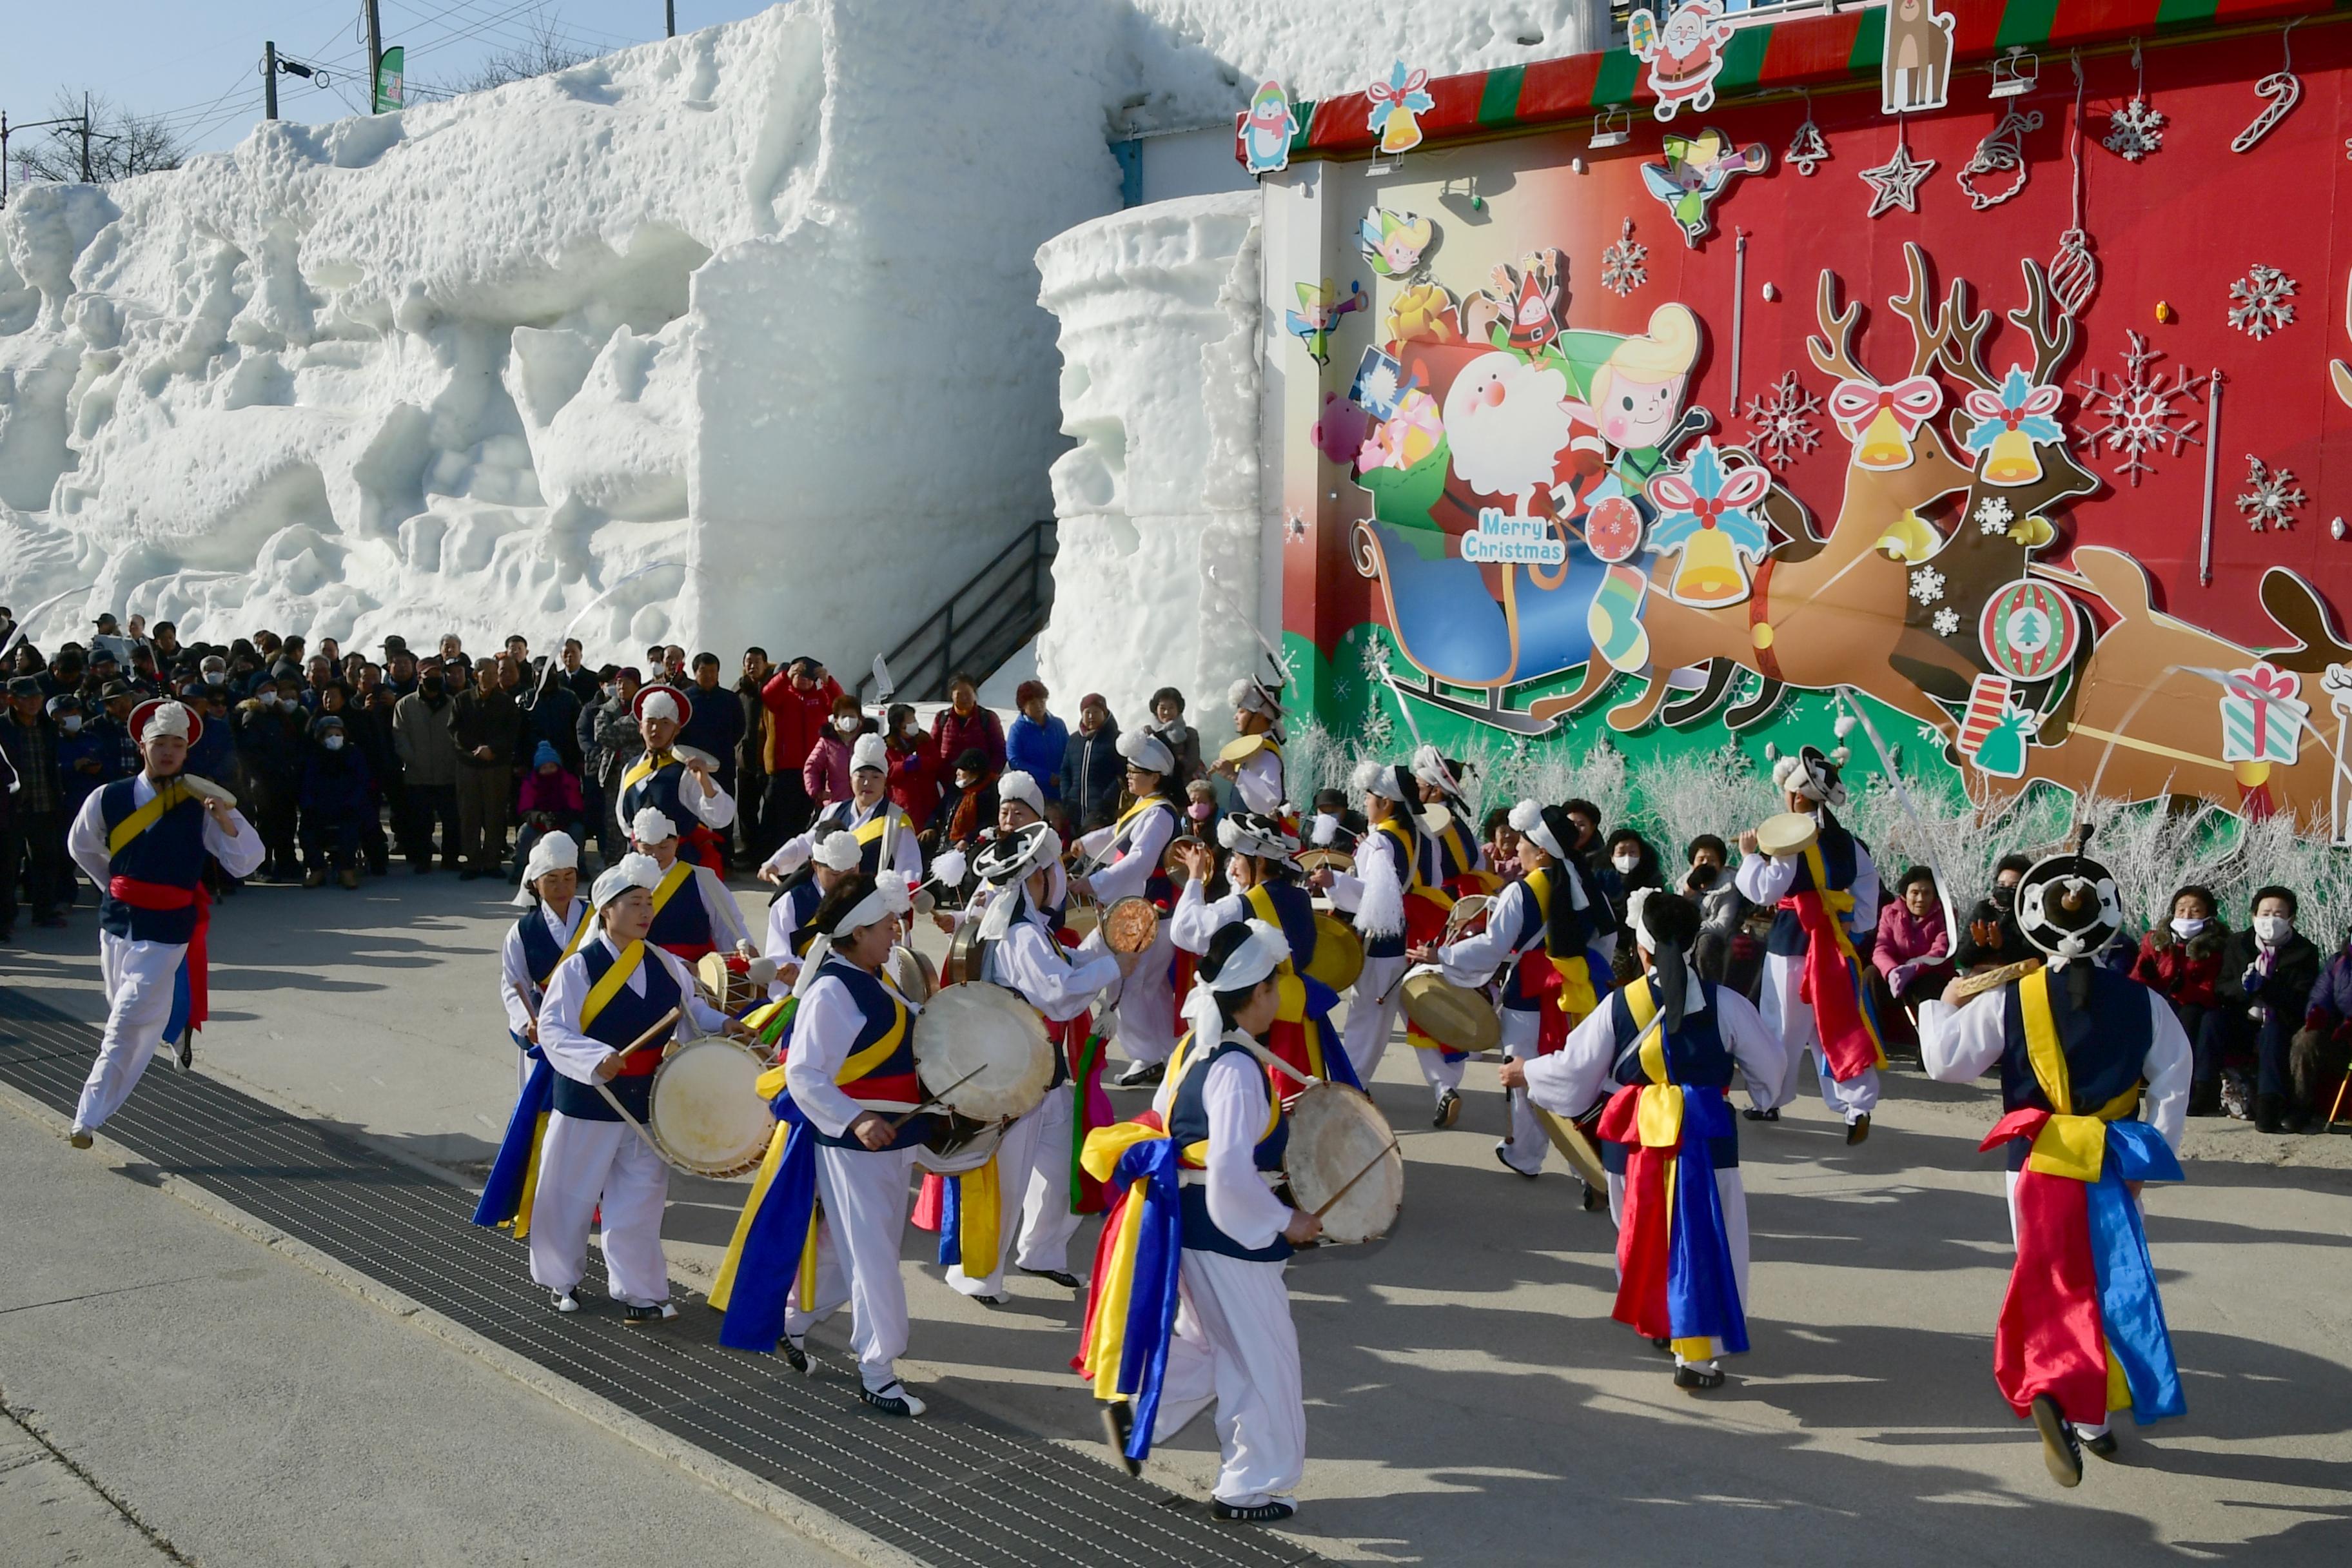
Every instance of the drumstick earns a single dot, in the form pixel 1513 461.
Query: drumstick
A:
pixel 1359 1176
pixel 515 986
pixel 660 1024
pixel 939 1100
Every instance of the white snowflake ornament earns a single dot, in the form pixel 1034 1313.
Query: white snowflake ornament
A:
pixel 2259 302
pixel 1622 269
pixel 1783 429
pixel 1994 515
pixel 2135 131
pixel 2271 498
pixel 2136 416
pixel 1927 584
pixel 1948 621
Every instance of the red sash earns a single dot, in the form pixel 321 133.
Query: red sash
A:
pixel 1644 1236
pixel 142 895
pixel 704 848
pixel 1832 984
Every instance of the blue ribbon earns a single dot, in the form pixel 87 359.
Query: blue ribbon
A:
pixel 2129 1308
pixel 183 1002
pixel 1152 1298
pixel 1702 1286
pixel 770 1264
pixel 951 1222
pixel 1337 1067
pixel 502 1193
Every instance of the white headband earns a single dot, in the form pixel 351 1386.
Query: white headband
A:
pixel 552 852
pixel 1379 779
pixel 650 826
pixel 1528 821
pixel 1252 961
pixel 169 719
pixel 630 871
pixel 839 852
pixel 661 705
pixel 1015 784
pixel 869 752
pixel 1429 767
pixel 1147 752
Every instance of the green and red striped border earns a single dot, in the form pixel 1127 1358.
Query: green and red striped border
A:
pixel 1804 52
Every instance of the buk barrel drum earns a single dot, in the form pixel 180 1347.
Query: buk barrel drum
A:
pixel 1342 1162
pixel 707 1117
pixel 1455 1016
pixel 1339 952
pixel 725 981
pixel 1131 925
pixel 982 1052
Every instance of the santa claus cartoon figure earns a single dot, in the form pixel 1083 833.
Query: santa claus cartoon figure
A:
pixel 1507 423
pixel 1685 55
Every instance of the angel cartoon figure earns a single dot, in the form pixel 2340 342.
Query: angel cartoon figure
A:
pixel 1696 172
pixel 1317 316
pixel 1685 56
pixel 1393 242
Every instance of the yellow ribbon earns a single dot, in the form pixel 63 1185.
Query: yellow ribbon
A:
pixel 2068 1145
pixel 1260 903
pixel 172 793
pixel 1576 996
pixel 605 990
pixel 977 1207
pixel 645 767
pixel 676 877
pixel 520 1223
pixel 1658 1113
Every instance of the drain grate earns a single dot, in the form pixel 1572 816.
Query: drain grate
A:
pixel 957 1487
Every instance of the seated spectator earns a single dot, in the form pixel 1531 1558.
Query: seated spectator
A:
pixel 1036 740
pixel 1182 741
pixel 2182 962
pixel 1722 909
pixel 1912 960
pixel 1093 772
pixel 824 772
pixel 550 802
pixel 1991 938
pixel 337 802
pixel 914 771
pixel 1500 843
pixel 1201 812
pixel 2322 1052
pixel 2268 974
pixel 967 806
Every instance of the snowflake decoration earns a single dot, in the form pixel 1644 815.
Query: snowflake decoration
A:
pixel 2133 130
pixel 1994 515
pixel 2271 496
pixel 1782 428
pixel 1622 269
pixel 2259 301
pixel 1375 658
pixel 1294 524
pixel 1930 733
pixel 2137 415
pixel 1948 621
pixel 1927 584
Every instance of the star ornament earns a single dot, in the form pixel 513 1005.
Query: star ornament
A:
pixel 1895 182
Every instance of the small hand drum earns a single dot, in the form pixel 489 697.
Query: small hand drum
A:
pixel 1342 1154
pixel 1131 925
pixel 1454 1016
pixel 1790 833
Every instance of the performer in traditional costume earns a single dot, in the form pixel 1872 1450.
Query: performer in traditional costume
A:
pixel 2095 1081
pixel 1189 1308
pixel 1018 949
pixel 1668 1043
pixel 847 1101
pixel 885 838
pixel 142 841
pixel 1264 882
pixel 1257 775
pixel 602 1005
pixel 553 924
pixel 685 789
pixel 1557 934
pixel 1396 907
pixel 1126 860
pixel 794 905
pixel 1452 857
pixel 1814 996
pixel 694 913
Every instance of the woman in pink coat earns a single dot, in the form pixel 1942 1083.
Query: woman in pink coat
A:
pixel 825 774
pixel 1912 959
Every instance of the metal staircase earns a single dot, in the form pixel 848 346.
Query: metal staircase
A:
pixel 984 623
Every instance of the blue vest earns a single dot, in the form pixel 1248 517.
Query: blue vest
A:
pixel 1533 935
pixel 171 852
pixel 2105 1046
pixel 1294 910
pixel 625 1018
pixel 1188 1124
pixel 658 789
pixel 1696 1058
pixel 892 1079
pixel 542 950
pixel 803 896
pixel 1787 936
pixel 834 818
pixel 685 920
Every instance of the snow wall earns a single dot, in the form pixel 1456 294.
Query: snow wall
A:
pixel 758 303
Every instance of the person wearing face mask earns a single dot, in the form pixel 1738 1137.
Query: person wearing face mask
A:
pixel 966 806
pixel 1722 909
pixel 914 772
pixel 1036 740
pixel 337 804
pixel 2268 972
pixel 85 753
pixel 2181 961
pixel 1990 937
pixel 428 750
pixel 824 772
pixel 273 740
pixel 1627 867
pixel 1201 818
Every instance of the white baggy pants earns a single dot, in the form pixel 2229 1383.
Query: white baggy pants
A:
pixel 1528 1142
pixel 1017 1169
pixel 1146 1014
pixel 1235 1347
pixel 583 1163
pixel 1733 1196
pixel 1790 1016
pixel 139 978
pixel 1372 1004
pixel 866 1197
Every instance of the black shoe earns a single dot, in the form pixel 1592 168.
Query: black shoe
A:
pixel 1858 1129
pixel 992 1300
pixel 2270 1113
pixel 1140 1075
pixel 1061 1277
pixel 185 1051
pixel 1696 1378
pixel 1264 1513
pixel 2205 1100
pixel 892 1401
pixel 796 1356
pixel 638 1317
pixel 1661 1345
pixel 2061 1449
pixel 1119 1424
pixel 1594 1198
pixel 1752 1115
pixel 2104 1445
pixel 1503 1158
pixel 422 868
pixel 1449 1110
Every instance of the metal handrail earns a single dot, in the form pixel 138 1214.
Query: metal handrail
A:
pixel 1015 607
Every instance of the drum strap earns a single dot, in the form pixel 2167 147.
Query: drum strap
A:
pixel 578 934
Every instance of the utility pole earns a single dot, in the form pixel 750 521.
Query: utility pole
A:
pixel 670 6
pixel 270 78
pixel 7 130
pixel 84 139
pixel 375 50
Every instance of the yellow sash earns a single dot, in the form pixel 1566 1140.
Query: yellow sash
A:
pixel 646 767
pixel 1415 884
pixel 1577 997
pixel 863 1062
pixel 1260 903
pixel 172 793
pixel 2068 1145
pixel 1659 1115
pixel 1118 829
pixel 605 990
pixel 880 825
pixel 679 873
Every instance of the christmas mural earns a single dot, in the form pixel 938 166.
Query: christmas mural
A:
pixel 1978 415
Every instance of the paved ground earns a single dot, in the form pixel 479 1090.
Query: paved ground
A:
pixel 1468 1396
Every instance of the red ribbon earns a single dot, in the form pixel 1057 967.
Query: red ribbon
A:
pixel 142 895
pixel 1383 92
pixel 1912 400
pixel 1830 985
pixel 2049 1339
pixel 1644 1238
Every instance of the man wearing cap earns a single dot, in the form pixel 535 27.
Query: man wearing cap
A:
pixel 1225 1337
pixel 487 727
pixel 1257 775
pixel 1127 857
pixel 1557 934
pixel 683 788
pixel 1813 993
pixel 33 829
pixel 836 856
pixel 694 913
pixel 886 839
pixel 86 756
pixel 553 924
pixel 1665 1047
pixel 2095 1079
pixel 1396 909
pixel 143 840
pixel 617 990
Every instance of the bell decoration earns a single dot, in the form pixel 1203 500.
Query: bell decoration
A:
pixel 2012 419
pixel 1881 420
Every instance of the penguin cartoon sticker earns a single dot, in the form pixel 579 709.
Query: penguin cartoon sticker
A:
pixel 1265 130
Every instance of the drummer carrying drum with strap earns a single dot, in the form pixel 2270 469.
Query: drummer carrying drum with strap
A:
pixel 694 914
pixel 1126 863
pixel 1396 907
pixel 885 838
pixel 679 782
pixel 555 921
pixel 1820 878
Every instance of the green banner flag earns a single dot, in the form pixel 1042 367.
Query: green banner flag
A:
pixel 389 84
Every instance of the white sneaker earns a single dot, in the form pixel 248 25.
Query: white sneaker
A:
pixel 78 1136
pixel 892 1401
pixel 564 1300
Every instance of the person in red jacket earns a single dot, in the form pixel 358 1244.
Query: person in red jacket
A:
pixel 914 767
pixel 2182 963
pixel 964 724
pixel 799 701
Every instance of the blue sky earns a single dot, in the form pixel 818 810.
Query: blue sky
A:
pixel 198 61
